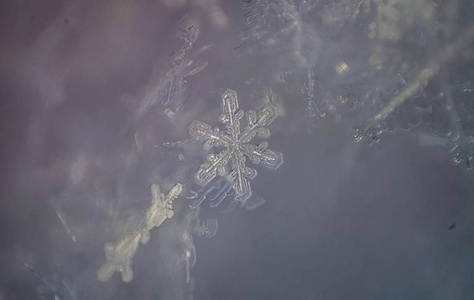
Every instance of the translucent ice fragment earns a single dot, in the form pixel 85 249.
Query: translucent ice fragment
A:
pixel 119 255
pixel 208 228
pixel 161 208
pixel 254 202
pixel 222 193
pixel 215 193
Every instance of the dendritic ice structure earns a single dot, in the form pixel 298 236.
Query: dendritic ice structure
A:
pixel 120 254
pixel 236 146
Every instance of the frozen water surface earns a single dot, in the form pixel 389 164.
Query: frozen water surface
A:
pixel 132 133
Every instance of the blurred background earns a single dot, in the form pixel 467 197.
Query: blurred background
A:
pixel 375 99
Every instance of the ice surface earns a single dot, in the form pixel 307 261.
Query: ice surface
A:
pixel 98 100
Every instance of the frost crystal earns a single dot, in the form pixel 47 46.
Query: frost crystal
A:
pixel 120 254
pixel 236 146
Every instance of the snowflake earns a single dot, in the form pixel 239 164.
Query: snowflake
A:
pixel 120 254
pixel 236 146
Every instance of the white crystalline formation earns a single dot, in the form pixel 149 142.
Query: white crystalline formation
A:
pixel 230 162
pixel 119 255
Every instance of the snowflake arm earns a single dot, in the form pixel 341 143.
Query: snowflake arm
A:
pixel 260 154
pixel 256 123
pixel 216 165
pixel 240 173
pixel 204 132
pixel 231 114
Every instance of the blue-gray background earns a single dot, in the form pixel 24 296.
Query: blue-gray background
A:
pixel 341 220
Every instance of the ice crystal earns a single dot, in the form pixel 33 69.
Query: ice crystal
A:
pixel 120 254
pixel 236 145
pixel 217 191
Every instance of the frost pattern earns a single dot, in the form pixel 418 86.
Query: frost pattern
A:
pixel 170 89
pixel 279 25
pixel 295 30
pixel 401 111
pixel 120 254
pixel 236 144
pixel 397 109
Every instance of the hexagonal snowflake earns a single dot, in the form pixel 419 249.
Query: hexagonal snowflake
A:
pixel 230 162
